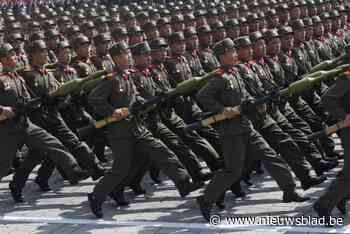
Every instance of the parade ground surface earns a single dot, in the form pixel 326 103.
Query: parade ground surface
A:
pixel 65 210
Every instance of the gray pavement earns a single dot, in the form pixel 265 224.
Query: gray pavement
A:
pixel 65 210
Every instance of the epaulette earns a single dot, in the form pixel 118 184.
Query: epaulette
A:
pixel 131 70
pixel 152 67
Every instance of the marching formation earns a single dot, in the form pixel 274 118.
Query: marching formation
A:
pixel 167 86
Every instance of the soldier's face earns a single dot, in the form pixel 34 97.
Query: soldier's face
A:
pixel 319 30
pixel 233 33
pixel 201 21
pixel 244 30
pixel 295 13
pixel 312 11
pixel 245 54
pixel 259 49
pixel 285 17
pixel 327 26
pixel 206 39
pixel 159 54
pixel 178 47
pixel 41 57
pixel 274 22
pixel 273 46
pixel 84 50
pixel 336 24
pixel 102 48
pixel 137 38
pixel 299 35
pixel 104 28
pixel 309 33
pixel 287 42
pixel 143 60
pixel 253 27
pixel 64 55
pixel 123 59
pixel 219 35
pixel 229 58
pixel 192 42
pixel 165 30
pixel 10 60
pixel 178 27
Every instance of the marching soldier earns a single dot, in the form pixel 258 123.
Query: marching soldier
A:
pixel 265 124
pixel 42 82
pixel 261 65
pixel 336 101
pixel 127 135
pixel 142 78
pixel 223 94
pixel 17 129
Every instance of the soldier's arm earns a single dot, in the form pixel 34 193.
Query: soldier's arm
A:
pixel 207 96
pixel 99 96
pixel 331 100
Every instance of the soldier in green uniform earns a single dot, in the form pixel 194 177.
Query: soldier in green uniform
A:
pixel 222 94
pixel 41 82
pixel 265 124
pixel 84 67
pixel 337 101
pixel 102 60
pixel 206 56
pixel 128 135
pixel 179 70
pixel 82 62
pixel 142 78
pixel 291 69
pixel 262 66
pixel 17 129
pixel 159 74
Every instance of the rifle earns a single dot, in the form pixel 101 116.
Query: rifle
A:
pixel 327 131
pixel 332 63
pixel 184 88
pixel 69 87
pixel 294 88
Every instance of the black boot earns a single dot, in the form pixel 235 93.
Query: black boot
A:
pixel 154 174
pixel 78 175
pixel 16 193
pixel 237 189
pixel 323 213
pixel 324 166
pixel 204 207
pixel 293 197
pixel 342 206
pixel 95 206
pixel 312 181
pixel 184 190
pixel 137 189
pixel 98 172
pixel 258 168
pixel 220 203
pixel 118 196
pixel 43 184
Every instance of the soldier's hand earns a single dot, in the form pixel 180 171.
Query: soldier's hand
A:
pixel 7 113
pixel 120 114
pixel 346 122
pixel 231 112
pixel 262 109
